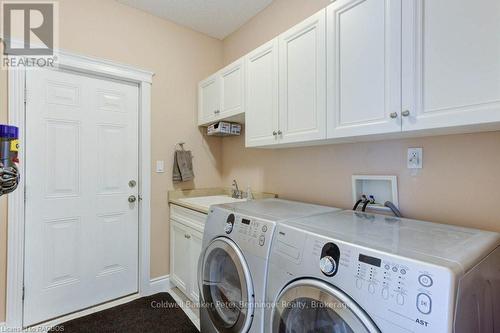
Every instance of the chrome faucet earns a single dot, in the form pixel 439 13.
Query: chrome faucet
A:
pixel 237 194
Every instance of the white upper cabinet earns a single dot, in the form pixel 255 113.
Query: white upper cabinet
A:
pixel 232 89
pixel 261 95
pixel 451 52
pixel 302 77
pixel 220 96
pixel 364 67
pixel 208 99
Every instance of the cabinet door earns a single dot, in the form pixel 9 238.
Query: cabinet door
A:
pixel 451 52
pixel 302 90
pixel 208 99
pixel 261 95
pixel 179 246
pixel 364 67
pixel 232 91
pixel 194 256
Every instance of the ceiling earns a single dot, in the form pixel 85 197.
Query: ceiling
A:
pixel 216 18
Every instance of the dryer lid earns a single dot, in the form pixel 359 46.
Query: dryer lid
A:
pixel 277 209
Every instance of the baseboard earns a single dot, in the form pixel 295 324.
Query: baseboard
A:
pixel 159 284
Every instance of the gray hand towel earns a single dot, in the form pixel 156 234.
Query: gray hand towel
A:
pixel 183 166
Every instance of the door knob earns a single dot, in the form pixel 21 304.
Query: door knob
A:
pixel 405 113
pixel 280 132
pixel 132 199
pixel 274 133
pixel 394 115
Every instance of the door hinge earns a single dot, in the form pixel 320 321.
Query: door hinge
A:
pixel 23 293
pixel 25 95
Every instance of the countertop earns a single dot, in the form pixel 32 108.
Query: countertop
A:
pixel 175 196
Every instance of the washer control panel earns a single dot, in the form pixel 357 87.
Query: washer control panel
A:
pixel 406 292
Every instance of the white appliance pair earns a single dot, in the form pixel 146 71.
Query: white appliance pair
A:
pixel 233 265
pixel 346 272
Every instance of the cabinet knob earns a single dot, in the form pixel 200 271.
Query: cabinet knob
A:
pixel 132 199
pixel 217 111
pixel 280 132
pixel 394 115
pixel 274 133
pixel 405 113
pixel 187 236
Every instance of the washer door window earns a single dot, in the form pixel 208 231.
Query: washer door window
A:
pixel 226 287
pixel 307 306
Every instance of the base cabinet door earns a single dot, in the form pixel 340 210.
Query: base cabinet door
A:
pixel 302 91
pixel 451 52
pixel 179 246
pixel 261 95
pixel 364 67
pixel 194 256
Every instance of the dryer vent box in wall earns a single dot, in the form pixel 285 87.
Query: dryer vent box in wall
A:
pixel 383 188
pixel 223 128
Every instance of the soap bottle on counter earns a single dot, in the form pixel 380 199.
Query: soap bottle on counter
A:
pixel 249 193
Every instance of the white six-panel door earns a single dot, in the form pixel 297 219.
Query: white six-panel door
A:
pixel 302 75
pixel 364 67
pixel 261 95
pixel 81 231
pixel 451 52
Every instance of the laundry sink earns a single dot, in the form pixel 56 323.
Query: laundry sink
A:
pixel 208 201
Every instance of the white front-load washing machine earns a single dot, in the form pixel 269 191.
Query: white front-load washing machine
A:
pixel 352 272
pixel 233 265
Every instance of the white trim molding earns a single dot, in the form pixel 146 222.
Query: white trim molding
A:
pixel 160 284
pixel 16 202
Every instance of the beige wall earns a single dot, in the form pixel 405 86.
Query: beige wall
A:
pixel 459 184
pixel 180 58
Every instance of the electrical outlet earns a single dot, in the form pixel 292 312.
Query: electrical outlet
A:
pixel 415 158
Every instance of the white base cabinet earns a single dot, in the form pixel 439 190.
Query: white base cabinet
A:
pixel 186 235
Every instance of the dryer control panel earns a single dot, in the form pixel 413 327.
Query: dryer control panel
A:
pixel 253 234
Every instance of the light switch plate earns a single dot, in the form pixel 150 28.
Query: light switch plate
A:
pixel 415 158
pixel 160 166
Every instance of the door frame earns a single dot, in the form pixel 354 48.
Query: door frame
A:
pixel 16 203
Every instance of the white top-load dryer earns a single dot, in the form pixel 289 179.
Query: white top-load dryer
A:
pixel 355 272
pixel 233 265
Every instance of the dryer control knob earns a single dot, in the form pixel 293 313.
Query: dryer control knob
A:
pixel 228 228
pixel 328 265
